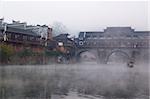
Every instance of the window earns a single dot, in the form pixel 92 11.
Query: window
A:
pixel 20 37
pixel 109 36
pixel 94 36
pixel 9 35
pixel 81 35
pixel 128 36
pixel 38 39
pixel 32 38
pixel 17 36
pixel 12 36
pixel 24 37
pixel 101 36
pixel 28 38
pixel 87 36
pixel 135 36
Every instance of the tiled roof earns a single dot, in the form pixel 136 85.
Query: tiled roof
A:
pixel 19 30
pixel 117 27
pixel 94 32
pixel 118 30
pixel 61 36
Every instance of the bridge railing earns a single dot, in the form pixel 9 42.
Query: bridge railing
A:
pixel 119 43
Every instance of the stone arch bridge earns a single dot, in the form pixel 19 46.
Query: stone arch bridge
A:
pixel 103 49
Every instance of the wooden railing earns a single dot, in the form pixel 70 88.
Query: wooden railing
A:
pixel 33 42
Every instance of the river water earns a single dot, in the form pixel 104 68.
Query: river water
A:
pixel 86 80
pixel 75 95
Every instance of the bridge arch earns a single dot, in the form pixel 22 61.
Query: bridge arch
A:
pixel 126 54
pixel 79 52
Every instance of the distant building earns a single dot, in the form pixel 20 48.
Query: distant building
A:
pixel 17 24
pixel 42 30
pixel 113 32
pixel 21 35
pixel 86 37
pixel 64 43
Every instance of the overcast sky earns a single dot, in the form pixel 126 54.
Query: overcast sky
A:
pixel 79 15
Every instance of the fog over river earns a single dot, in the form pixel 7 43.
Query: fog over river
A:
pixel 86 80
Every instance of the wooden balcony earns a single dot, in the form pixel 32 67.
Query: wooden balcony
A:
pixel 38 43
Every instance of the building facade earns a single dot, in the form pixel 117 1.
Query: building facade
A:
pixel 110 35
pixel 21 36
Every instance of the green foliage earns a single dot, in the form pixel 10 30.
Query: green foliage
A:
pixel 25 53
pixel 52 53
pixel 6 51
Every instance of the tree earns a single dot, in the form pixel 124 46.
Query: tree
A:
pixel 25 53
pixel 59 28
pixel 6 51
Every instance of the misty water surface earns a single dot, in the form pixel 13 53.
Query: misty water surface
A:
pixel 113 80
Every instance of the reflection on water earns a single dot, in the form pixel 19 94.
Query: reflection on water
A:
pixel 73 81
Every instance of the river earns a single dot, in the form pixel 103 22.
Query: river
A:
pixel 75 81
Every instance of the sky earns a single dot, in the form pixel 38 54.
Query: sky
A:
pixel 78 15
